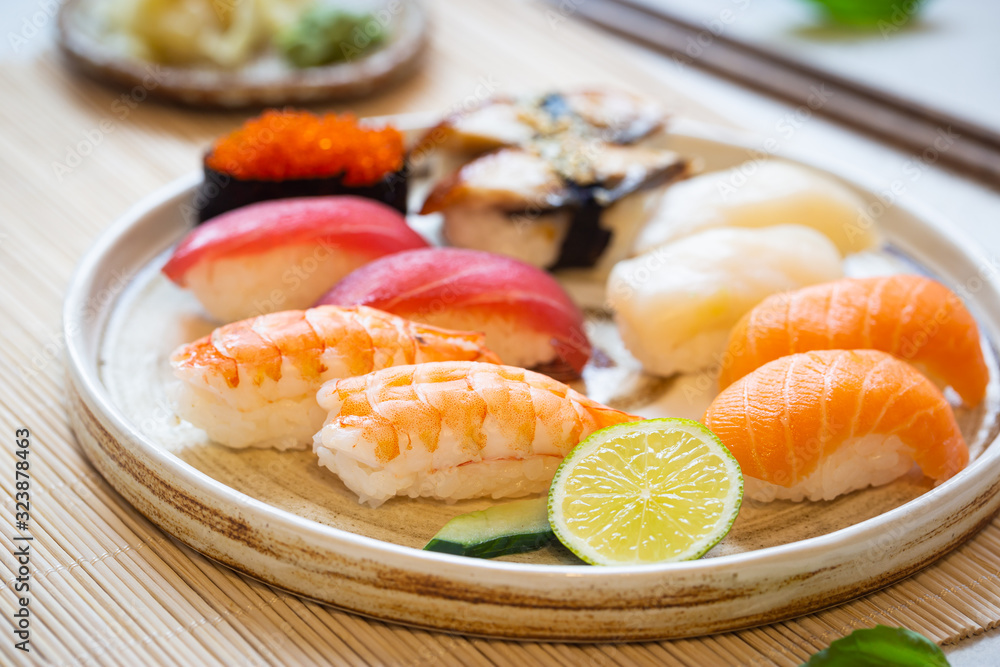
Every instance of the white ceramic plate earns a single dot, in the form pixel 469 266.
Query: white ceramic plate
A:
pixel 282 519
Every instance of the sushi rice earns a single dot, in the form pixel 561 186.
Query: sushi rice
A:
pixel 242 286
pixel 870 460
pixel 495 479
pixel 282 424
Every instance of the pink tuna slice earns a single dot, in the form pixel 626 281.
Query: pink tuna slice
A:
pixel 423 284
pixel 351 224
pixel 283 254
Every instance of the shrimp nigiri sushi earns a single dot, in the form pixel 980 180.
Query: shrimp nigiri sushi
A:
pixel 283 254
pixel 253 383
pixel 528 319
pixel 821 424
pixel 911 317
pixel 452 430
pixel 676 305
pixel 761 194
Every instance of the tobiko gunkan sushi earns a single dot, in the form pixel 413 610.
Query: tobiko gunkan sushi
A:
pixel 291 153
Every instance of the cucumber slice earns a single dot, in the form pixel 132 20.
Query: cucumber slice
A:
pixel 510 528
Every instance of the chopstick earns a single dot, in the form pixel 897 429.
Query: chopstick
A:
pixel 932 135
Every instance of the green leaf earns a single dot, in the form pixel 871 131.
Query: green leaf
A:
pixel 880 646
pixel 883 14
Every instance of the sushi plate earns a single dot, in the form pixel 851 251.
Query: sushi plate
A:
pixel 284 520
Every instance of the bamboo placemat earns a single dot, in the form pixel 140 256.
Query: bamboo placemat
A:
pixel 108 587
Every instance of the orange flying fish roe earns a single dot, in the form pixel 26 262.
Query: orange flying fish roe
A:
pixel 282 145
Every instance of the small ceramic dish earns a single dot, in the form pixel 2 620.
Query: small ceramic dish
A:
pixel 86 40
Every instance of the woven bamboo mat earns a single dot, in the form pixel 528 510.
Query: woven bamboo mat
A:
pixel 110 588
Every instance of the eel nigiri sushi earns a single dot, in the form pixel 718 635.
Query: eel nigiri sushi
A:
pixel 283 254
pixel 760 194
pixel 528 319
pixel 911 317
pixel 611 115
pixel 676 305
pixel 821 424
pixel 289 153
pixel 452 430
pixel 480 199
pixel 557 205
pixel 253 383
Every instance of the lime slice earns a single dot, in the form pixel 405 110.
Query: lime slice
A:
pixel 652 491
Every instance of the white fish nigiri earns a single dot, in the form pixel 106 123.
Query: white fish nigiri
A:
pixel 761 194
pixel 676 305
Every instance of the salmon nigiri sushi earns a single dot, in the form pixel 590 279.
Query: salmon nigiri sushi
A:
pixel 911 317
pixel 821 424
pixel 453 430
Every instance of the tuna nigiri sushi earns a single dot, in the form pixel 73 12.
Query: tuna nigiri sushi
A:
pixel 452 430
pixel 676 305
pixel 253 383
pixel 284 254
pixel 821 424
pixel 528 319
pixel 761 194
pixel 912 317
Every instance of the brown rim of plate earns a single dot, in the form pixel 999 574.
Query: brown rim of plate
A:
pixel 224 89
